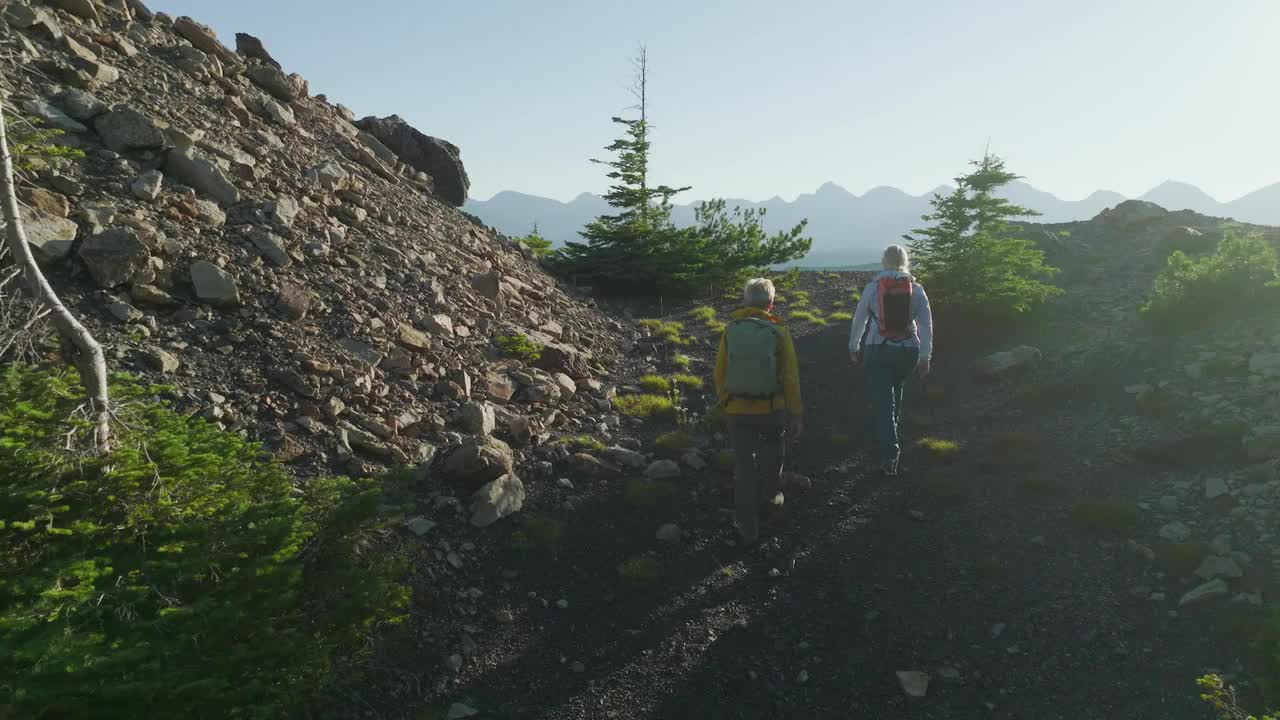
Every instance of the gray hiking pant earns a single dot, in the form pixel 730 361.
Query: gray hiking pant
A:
pixel 757 442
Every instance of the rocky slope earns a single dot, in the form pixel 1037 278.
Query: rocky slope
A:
pixel 300 282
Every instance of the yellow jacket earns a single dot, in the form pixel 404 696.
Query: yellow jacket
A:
pixel 788 399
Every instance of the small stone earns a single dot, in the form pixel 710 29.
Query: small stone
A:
pixel 1215 487
pixel 214 285
pixel 662 470
pixel 272 247
pixel 458 711
pixel 420 526
pixel 802 677
pixel 504 616
pixel 669 533
pixel 147 185
pixel 1216 566
pixel 162 361
pixel 1208 591
pixel 914 683
pixel 123 311
pixel 1176 531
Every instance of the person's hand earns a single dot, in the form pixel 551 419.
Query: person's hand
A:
pixel 924 369
pixel 797 426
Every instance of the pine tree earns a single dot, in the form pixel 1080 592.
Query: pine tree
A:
pixel 639 248
pixel 627 247
pixel 973 259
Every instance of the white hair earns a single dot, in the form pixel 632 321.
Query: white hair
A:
pixel 895 258
pixel 758 293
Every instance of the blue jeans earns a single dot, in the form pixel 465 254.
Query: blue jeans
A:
pixel 888 367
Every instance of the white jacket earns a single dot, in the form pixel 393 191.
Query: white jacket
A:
pixel 921 324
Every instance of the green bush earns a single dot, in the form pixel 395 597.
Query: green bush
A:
pixel 1191 292
pixel 644 406
pixel 655 384
pixel 540 246
pixel 184 571
pixel 520 346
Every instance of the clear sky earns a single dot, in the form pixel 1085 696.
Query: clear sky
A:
pixel 756 98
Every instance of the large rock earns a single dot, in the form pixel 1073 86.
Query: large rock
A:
pixel 251 47
pixel 497 499
pixel 476 462
pixel 52 116
pixel 114 257
pixel 439 159
pixel 413 338
pixel 147 185
pixel 628 458
pixel 204 39
pixel 285 88
pixel 662 470
pixel 80 8
pixel 1010 362
pixel 213 285
pixel 81 104
pixel 124 129
pixel 193 169
pixel 560 358
pixel 478 418
pixel 50 237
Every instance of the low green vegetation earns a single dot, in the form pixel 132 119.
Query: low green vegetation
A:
pixel 706 313
pixel 519 346
pixel 687 382
pixel 582 443
pixel 669 330
pixel 674 443
pixel 1106 516
pixel 1224 701
pixel 536 534
pixel 716 327
pixel 799 300
pixel 183 571
pixel 681 361
pixel 654 383
pixel 639 573
pixel 713 421
pixel 807 316
pixel 840 317
pixel 32 144
pixel 938 449
pixel 1240 277
pixel 725 460
pixel 643 406
pixel 649 494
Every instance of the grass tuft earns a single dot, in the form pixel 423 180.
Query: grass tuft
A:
pixel 681 361
pixel 687 382
pixel 840 317
pixel 706 313
pixel 582 443
pixel 643 406
pixel 674 443
pixel 809 317
pixel 655 384
pixel 939 449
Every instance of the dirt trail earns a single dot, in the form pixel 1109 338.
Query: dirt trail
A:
pixel 1013 608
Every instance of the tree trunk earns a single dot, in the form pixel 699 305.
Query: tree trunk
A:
pixel 88 359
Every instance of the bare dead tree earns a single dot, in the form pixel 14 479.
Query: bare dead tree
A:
pixel 87 353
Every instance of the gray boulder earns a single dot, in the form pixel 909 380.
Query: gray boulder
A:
pixel 124 129
pixel 497 499
pixel 114 257
pixel 81 104
pixel 285 88
pixel 1010 362
pixel 193 169
pixel 440 159
pixel 204 39
pixel 213 285
pixel 50 237
pixel 147 185
pixel 251 47
pixel 476 462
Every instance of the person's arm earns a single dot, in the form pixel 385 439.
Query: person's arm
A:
pixel 924 326
pixel 859 325
pixel 722 364
pixel 790 369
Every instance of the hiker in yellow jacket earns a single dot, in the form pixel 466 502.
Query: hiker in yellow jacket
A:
pixel 758 383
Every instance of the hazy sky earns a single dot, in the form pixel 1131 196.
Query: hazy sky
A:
pixel 755 98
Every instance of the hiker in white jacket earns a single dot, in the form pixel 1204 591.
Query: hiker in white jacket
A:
pixel 892 337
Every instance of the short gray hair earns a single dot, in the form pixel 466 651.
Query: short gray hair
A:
pixel 895 258
pixel 758 293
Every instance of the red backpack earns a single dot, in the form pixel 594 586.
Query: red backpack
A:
pixel 894 316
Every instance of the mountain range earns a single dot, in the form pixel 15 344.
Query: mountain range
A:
pixel 851 229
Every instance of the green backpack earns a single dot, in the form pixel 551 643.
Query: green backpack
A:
pixel 753 358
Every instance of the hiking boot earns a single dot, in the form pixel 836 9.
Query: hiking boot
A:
pixel 889 468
